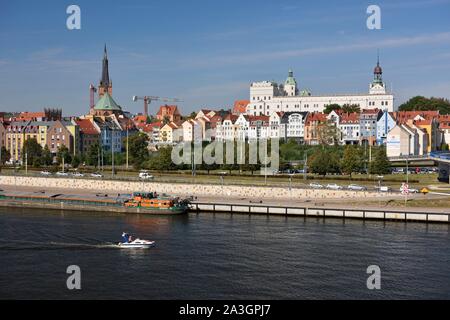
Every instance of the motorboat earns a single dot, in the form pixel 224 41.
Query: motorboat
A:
pixel 137 243
pixel 127 242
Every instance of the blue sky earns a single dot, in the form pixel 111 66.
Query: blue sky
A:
pixel 207 52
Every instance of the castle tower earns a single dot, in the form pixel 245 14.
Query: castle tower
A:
pixel 377 86
pixel 105 83
pixel 290 85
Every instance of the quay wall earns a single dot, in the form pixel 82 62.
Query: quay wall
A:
pixel 182 189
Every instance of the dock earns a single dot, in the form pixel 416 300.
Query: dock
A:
pixel 322 212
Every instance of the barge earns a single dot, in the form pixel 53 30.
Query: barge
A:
pixel 138 202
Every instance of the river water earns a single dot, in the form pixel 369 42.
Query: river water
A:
pixel 219 256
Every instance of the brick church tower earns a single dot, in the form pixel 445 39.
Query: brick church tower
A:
pixel 105 83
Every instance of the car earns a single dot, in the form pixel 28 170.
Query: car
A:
pixel 356 187
pixel 410 190
pixel 45 173
pixel 62 174
pixel 316 185
pixel 334 186
pixel 96 175
pixel 383 188
pixel 145 176
pixel 78 174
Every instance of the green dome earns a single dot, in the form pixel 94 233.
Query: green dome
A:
pixel 107 103
pixel 290 79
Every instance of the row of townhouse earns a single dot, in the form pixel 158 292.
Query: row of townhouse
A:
pixel 371 126
pixel 52 134
pixel 77 134
pixel 418 133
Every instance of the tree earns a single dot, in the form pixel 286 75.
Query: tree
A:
pixel 47 158
pixel 324 162
pixel 331 107
pixel 351 108
pixel 161 160
pixel 63 153
pixel 352 161
pixel 76 161
pixel 420 103
pixel 328 133
pixel 33 151
pixel 380 164
pixel 6 155
pixel 93 154
pixel 138 149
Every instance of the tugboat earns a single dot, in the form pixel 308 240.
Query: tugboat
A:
pixel 157 203
pixel 128 242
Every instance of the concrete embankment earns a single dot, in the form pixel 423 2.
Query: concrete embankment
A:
pixel 361 213
pixel 183 189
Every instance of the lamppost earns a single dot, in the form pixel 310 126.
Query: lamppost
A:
pixel 127 147
pixel 112 152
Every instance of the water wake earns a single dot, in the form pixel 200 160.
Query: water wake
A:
pixel 51 245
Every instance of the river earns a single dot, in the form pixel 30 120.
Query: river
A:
pixel 219 256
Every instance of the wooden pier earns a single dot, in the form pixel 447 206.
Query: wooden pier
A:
pixel 366 214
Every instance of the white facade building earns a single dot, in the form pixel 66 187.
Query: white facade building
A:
pixel 267 97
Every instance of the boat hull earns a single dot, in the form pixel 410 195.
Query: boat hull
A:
pixel 61 205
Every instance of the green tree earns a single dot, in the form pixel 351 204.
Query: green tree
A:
pixel 93 154
pixel 33 151
pixel 63 153
pixel 331 107
pixel 138 149
pixel 76 160
pixel 352 161
pixel 350 108
pixel 47 158
pixel 325 161
pixel 161 160
pixel 420 103
pixel 6 155
pixel 380 163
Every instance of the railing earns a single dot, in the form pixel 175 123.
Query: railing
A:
pixel 386 214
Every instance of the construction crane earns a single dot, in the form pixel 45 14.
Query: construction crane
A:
pixel 149 99
pixel 92 91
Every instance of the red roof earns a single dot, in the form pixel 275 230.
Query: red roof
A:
pixel 348 118
pixel 370 111
pixel 240 106
pixel 140 119
pixel 404 116
pixel 231 117
pixel 316 116
pixel 150 126
pixel 86 126
pixel 31 115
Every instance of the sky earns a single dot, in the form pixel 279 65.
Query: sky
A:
pixel 207 52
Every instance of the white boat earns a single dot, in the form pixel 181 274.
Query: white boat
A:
pixel 137 243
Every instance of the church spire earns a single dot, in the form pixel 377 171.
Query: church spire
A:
pixel 105 82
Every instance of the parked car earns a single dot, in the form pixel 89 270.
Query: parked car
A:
pixel 62 174
pixel 96 175
pixel 356 187
pixel 334 186
pixel 46 173
pixel 316 185
pixel 78 174
pixel 410 190
pixel 383 188
pixel 145 176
